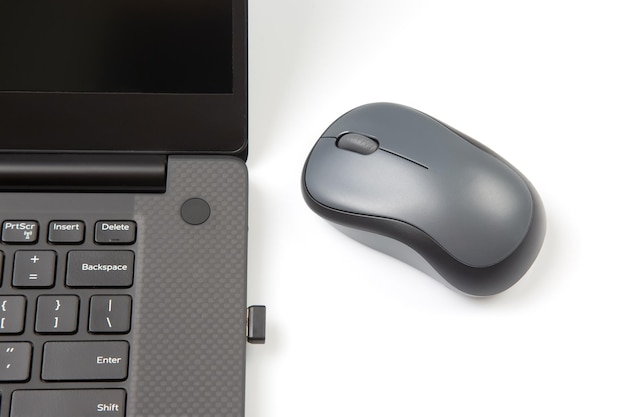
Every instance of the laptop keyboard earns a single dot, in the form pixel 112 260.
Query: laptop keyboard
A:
pixel 65 316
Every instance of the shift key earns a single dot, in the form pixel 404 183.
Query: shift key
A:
pixel 106 268
pixel 69 403
pixel 85 361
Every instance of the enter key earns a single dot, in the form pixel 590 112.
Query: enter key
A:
pixel 85 361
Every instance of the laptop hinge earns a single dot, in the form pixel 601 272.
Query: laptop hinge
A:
pixel 83 173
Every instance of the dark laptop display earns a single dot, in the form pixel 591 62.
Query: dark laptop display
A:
pixel 129 75
pixel 123 208
pixel 124 46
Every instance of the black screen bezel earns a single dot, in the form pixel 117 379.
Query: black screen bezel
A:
pixel 133 122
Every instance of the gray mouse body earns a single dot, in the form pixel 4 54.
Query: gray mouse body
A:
pixel 406 184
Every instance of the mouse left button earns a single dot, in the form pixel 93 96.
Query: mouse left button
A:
pixel 357 143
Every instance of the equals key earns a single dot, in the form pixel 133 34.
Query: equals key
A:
pixel 34 269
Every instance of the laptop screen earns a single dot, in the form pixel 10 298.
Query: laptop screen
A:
pixel 123 75
pixel 134 46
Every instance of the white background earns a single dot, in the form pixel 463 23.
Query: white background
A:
pixel 352 332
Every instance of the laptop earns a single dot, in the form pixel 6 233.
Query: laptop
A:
pixel 123 208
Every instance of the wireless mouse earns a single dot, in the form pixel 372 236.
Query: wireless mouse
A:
pixel 404 183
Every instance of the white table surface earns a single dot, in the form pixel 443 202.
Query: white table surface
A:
pixel 352 332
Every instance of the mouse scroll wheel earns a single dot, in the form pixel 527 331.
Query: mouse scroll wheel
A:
pixel 357 143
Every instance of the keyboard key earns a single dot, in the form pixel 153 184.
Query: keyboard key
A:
pixel 100 268
pixel 85 361
pixel 20 231
pixel 15 358
pixel 109 314
pixel 34 269
pixel 115 232
pixel 57 314
pixel 1 266
pixel 12 313
pixel 69 403
pixel 66 232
